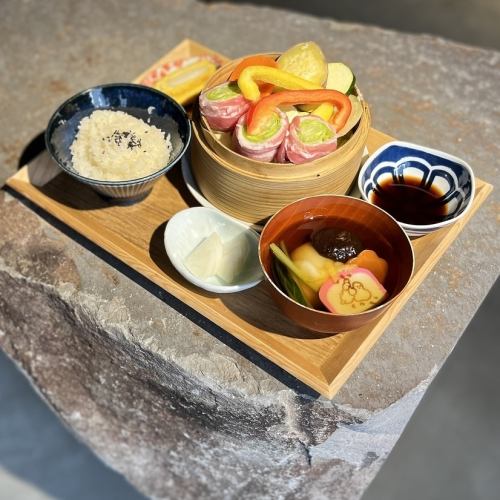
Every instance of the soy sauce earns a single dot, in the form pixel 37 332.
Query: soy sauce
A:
pixel 410 203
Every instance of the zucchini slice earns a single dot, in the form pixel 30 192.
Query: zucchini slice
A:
pixel 340 77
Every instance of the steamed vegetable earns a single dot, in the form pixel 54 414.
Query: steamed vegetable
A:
pixel 247 81
pixel 305 60
pixel 340 77
pixel 259 113
pixel 258 60
pixel 354 117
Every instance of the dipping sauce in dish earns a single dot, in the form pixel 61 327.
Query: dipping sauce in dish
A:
pixel 410 203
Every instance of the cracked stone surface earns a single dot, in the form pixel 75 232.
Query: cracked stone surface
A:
pixel 181 412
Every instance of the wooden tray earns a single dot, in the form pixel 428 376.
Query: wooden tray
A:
pixel 134 234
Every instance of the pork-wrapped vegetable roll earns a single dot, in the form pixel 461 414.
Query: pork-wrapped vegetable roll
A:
pixel 222 106
pixel 308 138
pixel 264 144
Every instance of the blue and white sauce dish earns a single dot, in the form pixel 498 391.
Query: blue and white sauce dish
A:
pixel 439 181
pixel 150 105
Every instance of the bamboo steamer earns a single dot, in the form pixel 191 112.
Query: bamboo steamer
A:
pixel 251 190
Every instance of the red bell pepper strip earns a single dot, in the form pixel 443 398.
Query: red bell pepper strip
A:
pixel 261 110
pixel 265 88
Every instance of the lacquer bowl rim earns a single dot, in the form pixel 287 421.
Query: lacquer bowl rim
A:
pixel 370 312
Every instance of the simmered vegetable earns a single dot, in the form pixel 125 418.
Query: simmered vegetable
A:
pixel 347 286
pixel 337 244
pixel 290 286
pixel 368 259
pixel 314 267
pixel 252 61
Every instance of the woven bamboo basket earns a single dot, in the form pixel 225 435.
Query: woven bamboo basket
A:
pixel 251 190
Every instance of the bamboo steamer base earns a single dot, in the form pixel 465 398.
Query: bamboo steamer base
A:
pixel 254 197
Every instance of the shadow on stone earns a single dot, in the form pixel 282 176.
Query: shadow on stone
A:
pixel 32 150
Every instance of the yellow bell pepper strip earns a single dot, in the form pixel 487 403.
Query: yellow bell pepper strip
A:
pixel 252 61
pixel 324 111
pixel 259 112
pixel 264 88
pixel 247 81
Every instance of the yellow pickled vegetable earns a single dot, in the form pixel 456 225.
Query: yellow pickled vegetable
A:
pixel 184 84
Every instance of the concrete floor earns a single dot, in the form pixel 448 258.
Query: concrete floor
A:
pixel 451 447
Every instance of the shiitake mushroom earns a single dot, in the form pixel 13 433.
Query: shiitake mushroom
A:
pixel 337 244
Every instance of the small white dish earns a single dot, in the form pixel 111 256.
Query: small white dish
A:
pixel 189 227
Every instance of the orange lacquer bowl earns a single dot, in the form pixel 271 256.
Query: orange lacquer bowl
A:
pixel 377 230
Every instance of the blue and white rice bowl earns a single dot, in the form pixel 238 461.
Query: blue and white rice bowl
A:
pixel 402 160
pixel 148 104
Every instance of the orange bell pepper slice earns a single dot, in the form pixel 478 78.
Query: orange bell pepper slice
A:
pixel 258 113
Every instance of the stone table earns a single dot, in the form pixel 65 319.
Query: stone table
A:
pixel 183 410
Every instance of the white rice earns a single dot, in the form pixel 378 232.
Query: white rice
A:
pixel 115 146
